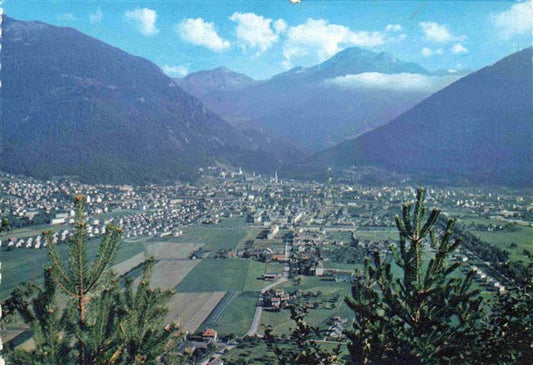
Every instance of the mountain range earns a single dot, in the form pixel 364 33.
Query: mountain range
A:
pixel 478 129
pixel 73 105
pixel 317 106
pixel 221 79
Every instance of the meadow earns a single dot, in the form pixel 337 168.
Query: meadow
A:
pixel 522 239
pixel 236 315
pixel 225 235
pixel 25 264
pixel 513 241
pixel 376 234
pixel 224 275
pixel 191 309
pixel 331 303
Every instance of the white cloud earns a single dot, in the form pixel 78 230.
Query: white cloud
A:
pixel 201 33
pixel 514 21
pixel 96 17
pixel 67 17
pixel 459 48
pixel 393 28
pixel 253 31
pixel 435 32
pixel 428 52
pixel 144 20
pixel 286 64
pixel 280 26
pixel 393 82
pixel 319 38
pixel 175 71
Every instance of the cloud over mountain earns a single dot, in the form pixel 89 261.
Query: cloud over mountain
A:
pixel 325 39
pixel 477 128
pixel 175 71
pixel 397 82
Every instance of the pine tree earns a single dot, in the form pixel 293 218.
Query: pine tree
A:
pixel 102 322
pixel 302 347
pixel 510 331
pixel 78 280
pixel 428 315
pixel 38 308
pixel 4 226
pixel 144 335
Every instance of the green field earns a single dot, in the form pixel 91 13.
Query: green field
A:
pixel 25 264
pixel 251 234
pixel 341 266
pixel 224 275
pixel 253 352
pixel 274 267
pixel 377 234
pixel 236 316
pixel 225 235
pixel 32 231
pixel 281 322
pixel 339 236
pixel 523 238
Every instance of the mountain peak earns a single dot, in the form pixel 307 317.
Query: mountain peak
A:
pixel 73 105
pixel 223 69
pixel 478 128
pixel 352 52
pixel 355 60
pixel 221 78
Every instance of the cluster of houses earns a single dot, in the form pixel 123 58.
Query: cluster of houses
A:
pixel 335 331
pixel 274 299
pixel 488 279
pixel 275 206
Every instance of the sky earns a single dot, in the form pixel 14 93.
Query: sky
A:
pixel 264 38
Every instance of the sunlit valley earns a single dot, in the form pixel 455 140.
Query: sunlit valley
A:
pixel 358 209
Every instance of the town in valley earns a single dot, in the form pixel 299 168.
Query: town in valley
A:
pixel 239 248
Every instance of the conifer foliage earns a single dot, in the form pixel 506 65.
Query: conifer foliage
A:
pixel 78 279
pixel 84 315
pixel 303 347
pixel 427 315
pixel 38 308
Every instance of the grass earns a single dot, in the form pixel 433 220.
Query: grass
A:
pixel 274 267
pixel 281 322
pixel 250 353
pixel 171 249
pixel 523 238
pixel 25 264
pixel 225 235
pixel 251 234
pixel 380 234
pixel 237 315
pixel 223 275
pixel 255 352
pixel 167 274
pixel 32 231
pixel 339 236
pixel 340 266
pixel 191 309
